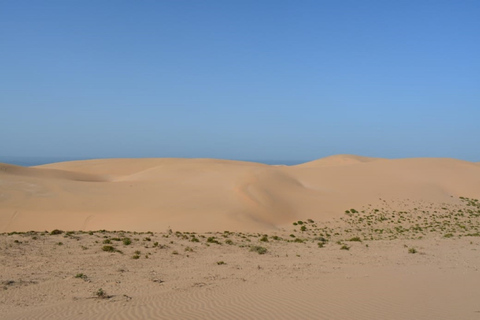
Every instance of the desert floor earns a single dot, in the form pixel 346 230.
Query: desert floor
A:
pixel 371 263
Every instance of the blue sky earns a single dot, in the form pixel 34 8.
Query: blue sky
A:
pixel 257 80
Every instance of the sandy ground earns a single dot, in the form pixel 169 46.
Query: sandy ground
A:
pixel 343 237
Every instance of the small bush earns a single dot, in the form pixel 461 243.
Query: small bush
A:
pixel 258 249
pixel 344 247
pixel 212 240
pixel 81 276
pixel 56 231
pixel 220 263
pixel 101 294
pixel 127 241
pixel 264 238
pixel 412 250
pixel 230 242
pixel 355 239
pixel 108 248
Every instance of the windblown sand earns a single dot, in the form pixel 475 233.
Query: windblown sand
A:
pixel 343 237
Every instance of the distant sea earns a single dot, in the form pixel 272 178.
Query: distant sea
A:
pixel 36 161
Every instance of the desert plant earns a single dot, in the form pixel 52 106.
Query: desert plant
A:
pixel 101 294
pixel 81 276
pixel 355 239
pixel 258 249
pixel 212 240
pixel 108 248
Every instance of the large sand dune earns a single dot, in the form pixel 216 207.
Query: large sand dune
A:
pixel 209 195
pixel 408 250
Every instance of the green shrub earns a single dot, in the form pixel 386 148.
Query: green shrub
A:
pixel 212 240
pixel 56 231
pixel 108 248
pixel 355 239
pixel 258 249
pixel 264 238
pixel 81 276
pixel 101 294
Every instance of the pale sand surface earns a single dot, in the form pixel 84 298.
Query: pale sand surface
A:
pixel 417 258
pixel 214 195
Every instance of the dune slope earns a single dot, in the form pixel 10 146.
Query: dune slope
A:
pixel 210 195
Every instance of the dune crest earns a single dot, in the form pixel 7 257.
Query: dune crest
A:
pixel 339 160
pixel 209 194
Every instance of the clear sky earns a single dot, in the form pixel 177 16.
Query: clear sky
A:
pixel 257 80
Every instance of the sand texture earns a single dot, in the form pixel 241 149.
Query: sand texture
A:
pixel 215 195
pixel 344 237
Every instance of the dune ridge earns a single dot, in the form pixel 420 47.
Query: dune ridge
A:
pixel 210 195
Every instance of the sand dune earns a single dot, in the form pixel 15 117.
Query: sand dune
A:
pixel 209 194
pixel 339 160
pixel 408 250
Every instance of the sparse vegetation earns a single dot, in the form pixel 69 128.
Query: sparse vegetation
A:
pixel 81 276
pixel 258 249
pixel 101 294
